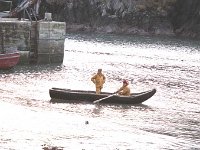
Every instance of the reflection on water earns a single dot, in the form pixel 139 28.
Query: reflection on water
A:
pixel 169 120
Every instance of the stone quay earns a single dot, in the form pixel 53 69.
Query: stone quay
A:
pixel 39 41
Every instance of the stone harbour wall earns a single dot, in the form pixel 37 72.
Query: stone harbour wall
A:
pixel 15 35
pixel 38 42
pixel 51 41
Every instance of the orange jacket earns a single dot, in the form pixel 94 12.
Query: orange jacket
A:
pixel 98 80
pixel 124 90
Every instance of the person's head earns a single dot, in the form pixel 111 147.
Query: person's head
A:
pixel 125 82
pixel 99 70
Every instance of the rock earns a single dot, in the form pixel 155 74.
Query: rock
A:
pixel 178 15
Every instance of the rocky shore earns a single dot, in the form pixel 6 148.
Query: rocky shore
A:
pixel 144 17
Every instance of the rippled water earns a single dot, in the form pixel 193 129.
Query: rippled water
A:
pixel 169 120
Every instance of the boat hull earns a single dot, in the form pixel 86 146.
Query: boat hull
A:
pixel 9 60
pixel 66 96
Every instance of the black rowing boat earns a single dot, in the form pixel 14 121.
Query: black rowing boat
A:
pixel 59 95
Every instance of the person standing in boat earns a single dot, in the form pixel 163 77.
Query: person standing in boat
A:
pixel 124 90
pixel 98 79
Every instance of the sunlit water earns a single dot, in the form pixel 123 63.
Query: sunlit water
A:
pixel 168 120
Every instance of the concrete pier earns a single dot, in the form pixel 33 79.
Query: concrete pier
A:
pixel 38 41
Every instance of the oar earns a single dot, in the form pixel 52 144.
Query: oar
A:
pixel 103 98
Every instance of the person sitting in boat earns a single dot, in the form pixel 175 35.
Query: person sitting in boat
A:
pixel 124 90
pixel 98 79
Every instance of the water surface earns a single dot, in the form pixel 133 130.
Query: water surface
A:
pixel 168 120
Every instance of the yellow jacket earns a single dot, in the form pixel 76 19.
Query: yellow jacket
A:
pixel 98 80
pixel 124 90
